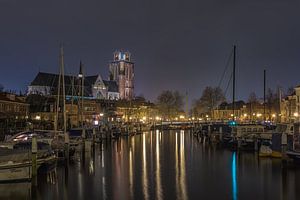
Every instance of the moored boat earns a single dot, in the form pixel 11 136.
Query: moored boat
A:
pixel 16 164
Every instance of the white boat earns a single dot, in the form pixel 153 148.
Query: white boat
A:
pixel 265 151
pixel 294 151
pixel 15 165
pixel 42 136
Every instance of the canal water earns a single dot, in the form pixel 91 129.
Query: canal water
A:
pixel 164 165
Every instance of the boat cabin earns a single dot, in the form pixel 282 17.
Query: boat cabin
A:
pixel 244 130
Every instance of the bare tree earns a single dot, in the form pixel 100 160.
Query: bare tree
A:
pixel 210 99
pixel 290 91
pixel 272 101
pixel 252 100
pixel 169 103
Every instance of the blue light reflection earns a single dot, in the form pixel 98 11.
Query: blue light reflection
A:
pixel 234 178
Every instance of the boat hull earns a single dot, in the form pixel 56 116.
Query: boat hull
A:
pixel 15 173
pixel 21 172
pixel 293 155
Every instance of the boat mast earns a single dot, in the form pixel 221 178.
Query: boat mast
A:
pixel 62 76
pixel 82 93
pixel 233 83
pixel 81 78
pixel 264 95
pixel 187 104
pixel 63 87
pixel 56 116
pixel 72 98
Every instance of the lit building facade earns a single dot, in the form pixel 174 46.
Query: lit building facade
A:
pixel 14 112
pixel 122 71
pixel 290 107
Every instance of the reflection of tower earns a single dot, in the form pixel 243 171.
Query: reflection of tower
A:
pixel 122 71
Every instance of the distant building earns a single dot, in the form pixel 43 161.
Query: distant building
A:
pixel 13 106
pixel 290 107
pixel 245 112
pixel 122 71
pixel 43 109
pixel 137 110
pixel 119 86
pixel 14 112
pixel 94 86
pixel 225 111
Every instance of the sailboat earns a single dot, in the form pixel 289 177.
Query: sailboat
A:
pixel 61 142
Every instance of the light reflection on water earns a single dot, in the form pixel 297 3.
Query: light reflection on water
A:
pixel 145 177
pixel 181 192
pixel 234 178
pixel 164 165
pixel 159 191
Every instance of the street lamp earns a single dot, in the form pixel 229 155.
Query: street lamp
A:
pixel 181 117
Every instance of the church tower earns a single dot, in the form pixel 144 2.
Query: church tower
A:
pixel 122 71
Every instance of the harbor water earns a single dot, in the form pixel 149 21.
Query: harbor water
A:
pixel 163 165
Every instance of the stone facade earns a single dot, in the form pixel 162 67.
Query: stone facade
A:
pixel 290 107
pixel 122 71
pixel 13 106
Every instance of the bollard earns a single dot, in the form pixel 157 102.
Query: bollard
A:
pixel 34 161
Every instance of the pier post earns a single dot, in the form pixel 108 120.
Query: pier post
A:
pixel 94 136
pixel 34 161
pixel 239 143
pixel 67 147
pixel 221 133
pixel 255 144
pixel 83 133
pixel 209 134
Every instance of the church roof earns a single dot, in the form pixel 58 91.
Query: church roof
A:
pixel 112 86
pixel 51 80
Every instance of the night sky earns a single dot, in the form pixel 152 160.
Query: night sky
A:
pixel 181 45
